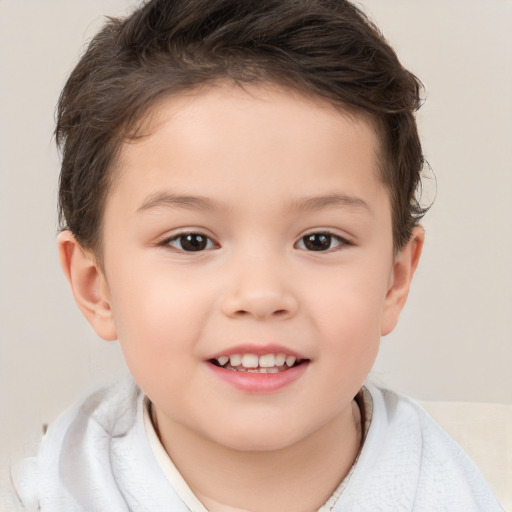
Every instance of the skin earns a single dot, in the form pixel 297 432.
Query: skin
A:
pixel 255 170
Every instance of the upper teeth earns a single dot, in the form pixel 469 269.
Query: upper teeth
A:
pixel 253 361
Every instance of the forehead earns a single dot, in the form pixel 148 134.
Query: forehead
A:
pixel 246 138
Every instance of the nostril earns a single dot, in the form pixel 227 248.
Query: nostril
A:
pixel 279 313
pixel 259 305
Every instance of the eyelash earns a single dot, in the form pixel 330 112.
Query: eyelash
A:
pixel 181 238
pixel 203 242
pixel 327 236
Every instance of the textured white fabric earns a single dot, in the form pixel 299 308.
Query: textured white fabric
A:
pixel 96 457
pixel 408 463
pixel 484 431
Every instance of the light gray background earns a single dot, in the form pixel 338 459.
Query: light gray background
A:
pixel 454 338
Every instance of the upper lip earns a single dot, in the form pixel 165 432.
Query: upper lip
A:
pixel 258 350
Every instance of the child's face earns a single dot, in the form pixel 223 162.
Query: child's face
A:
pixel 250 222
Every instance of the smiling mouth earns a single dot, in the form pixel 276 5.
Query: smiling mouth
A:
pixel 252 363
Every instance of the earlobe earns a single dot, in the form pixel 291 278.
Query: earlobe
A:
pixel 88 284
pixel 404 266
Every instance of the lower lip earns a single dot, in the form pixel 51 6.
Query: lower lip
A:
pixel 259 382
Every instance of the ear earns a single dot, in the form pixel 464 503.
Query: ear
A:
pixel 88 284
pixel 404 266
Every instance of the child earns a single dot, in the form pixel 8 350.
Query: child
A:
pixel 238 208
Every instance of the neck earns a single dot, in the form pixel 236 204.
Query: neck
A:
pixel 298 477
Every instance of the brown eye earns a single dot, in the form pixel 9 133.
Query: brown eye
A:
pixel 317 242
pixel 193 242
pixel 190 242
pixel 320 242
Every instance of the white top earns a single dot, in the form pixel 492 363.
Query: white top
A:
pixel 97 456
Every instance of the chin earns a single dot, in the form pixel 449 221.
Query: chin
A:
pixel 258 437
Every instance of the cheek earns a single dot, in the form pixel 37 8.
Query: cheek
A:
pixel 157 318
pixel 351 332
pixel 347 314
pixel 351 298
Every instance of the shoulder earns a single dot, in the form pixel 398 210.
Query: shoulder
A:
pixel 107 412
pixel 78 441
pixel 413 463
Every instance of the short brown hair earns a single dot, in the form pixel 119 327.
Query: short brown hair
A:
pixel 327 48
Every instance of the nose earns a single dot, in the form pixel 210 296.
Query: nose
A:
pixel 260 290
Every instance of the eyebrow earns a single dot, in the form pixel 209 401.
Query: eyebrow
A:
pixel 167 200
pixel 331 200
